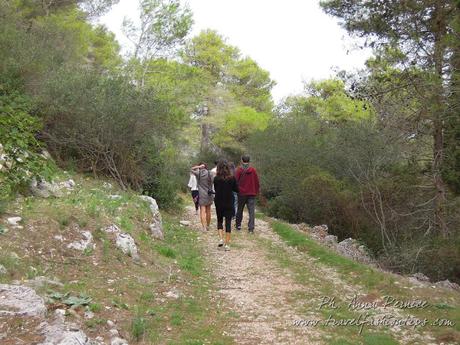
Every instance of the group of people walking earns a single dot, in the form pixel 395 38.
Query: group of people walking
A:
pixel 230 189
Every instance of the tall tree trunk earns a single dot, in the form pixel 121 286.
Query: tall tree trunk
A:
pixel 438 110
pixel 205 137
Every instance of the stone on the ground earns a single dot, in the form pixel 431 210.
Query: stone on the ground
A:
pixel 353 250
pixel 45 154
pixel 44 189
pixel 84 244
pixel 61 333
pixel 447 284
pixel 421 277
pixel 118 341
pixel 173 294
pixel 115 197
pixel 89 314
pixel 107 185
pixel 320 231
pixel 14 221
pixel 330 240
pixel 69 184
pixel 17 300
pixel 156 227
pixel 184 223
pixel 127 245
pixel 3 270
pixel 112 229
pixel 113 332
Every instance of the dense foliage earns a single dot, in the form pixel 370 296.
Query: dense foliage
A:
pixel 21 157
pixel 90 108
pixel 375 154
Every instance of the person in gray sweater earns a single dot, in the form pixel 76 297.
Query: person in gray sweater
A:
pixel 206 193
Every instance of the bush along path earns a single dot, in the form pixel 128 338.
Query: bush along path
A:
pixel 280 287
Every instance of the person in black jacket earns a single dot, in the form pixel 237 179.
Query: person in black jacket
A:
pixel 224 186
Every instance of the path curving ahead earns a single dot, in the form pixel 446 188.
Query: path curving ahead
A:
pixel 266 286
pixel 254 290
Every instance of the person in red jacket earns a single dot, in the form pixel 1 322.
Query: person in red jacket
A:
pixel 248 184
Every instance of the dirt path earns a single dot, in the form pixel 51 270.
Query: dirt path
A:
pixel 255 290
pixel 263 295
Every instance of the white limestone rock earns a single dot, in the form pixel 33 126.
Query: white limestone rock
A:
pixel 13 221
pixel 84 244
pixel 127 245
pixel 3 270
pixel 18 300
pixel 156 227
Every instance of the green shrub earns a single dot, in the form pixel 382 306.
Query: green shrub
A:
pixel 20 150
pixel 138 328
pixel 107 125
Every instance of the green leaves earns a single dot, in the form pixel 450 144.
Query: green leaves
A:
pixel 329 101
pixel 19 149
pixel 238 125
pixel 69 300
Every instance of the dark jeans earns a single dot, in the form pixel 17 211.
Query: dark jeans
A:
pixel 195 197
pixel 220 221
pixel 244 200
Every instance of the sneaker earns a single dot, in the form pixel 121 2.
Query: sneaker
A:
pixel 251 232
pixel 221 243
pixel 227 247
pixel 238 227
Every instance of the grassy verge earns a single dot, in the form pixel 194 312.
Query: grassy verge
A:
pixel 443 304
pixel 162 299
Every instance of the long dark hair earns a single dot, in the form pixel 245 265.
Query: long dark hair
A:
pixel 223 170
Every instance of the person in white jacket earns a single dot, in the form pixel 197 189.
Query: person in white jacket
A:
pixel 193 185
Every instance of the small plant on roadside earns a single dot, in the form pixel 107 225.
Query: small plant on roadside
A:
pixel 138 327
pixel 93 323
pixel 166 251
pixel 120 305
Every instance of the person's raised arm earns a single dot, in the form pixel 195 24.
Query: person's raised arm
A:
pixel 195 170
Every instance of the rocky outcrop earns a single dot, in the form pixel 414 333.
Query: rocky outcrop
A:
pixel 21 304
pixel 354 250
pixel 156 227
pixel 123 241
pixel 17 300
pixel 447 284
pixel 44 189
pixel 84 244
pixel 127 245
pixel 348 247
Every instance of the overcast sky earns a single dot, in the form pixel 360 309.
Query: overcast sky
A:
pixel 292 39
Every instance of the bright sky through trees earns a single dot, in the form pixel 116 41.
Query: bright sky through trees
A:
pixel 293 39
